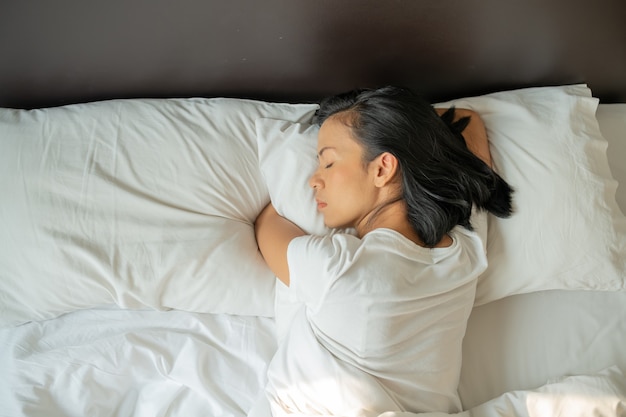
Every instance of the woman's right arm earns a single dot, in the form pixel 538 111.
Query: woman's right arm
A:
pixel 273 235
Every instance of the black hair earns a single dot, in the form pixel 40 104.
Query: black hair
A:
pixel 441 178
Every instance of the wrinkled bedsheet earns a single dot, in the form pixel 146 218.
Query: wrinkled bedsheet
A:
pixel 113 362
pixel 107 361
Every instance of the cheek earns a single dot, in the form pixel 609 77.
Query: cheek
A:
pixel 346 181
pixel 340 183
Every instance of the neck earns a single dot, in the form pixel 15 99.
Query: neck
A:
pixel 389 215
pixel 393 215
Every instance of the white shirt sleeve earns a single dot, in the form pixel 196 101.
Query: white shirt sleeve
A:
pixel 314 264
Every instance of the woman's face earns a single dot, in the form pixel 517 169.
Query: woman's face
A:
pixel 343 184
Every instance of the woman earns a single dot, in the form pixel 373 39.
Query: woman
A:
pixel 384 311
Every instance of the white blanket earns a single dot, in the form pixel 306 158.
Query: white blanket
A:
pixel 600 395
pixel 104 362
pixel 112 362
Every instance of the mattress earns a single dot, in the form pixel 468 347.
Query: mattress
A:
pixel 109 361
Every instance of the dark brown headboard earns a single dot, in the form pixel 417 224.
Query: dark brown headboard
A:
pixel 58 52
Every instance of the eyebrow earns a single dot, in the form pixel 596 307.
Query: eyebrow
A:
pixel 324 149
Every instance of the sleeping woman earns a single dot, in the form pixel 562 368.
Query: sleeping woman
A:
pixel 385 311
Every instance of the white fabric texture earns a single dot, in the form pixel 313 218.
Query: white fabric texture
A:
pixel 287 158
pixel 580 332
pixel 104 362
pixel 523 341
pixel 143 203
pixel 567 231
pixel 612 120
pixel 381 325
pixel 520 342
pixel 599 395
pixel 112 362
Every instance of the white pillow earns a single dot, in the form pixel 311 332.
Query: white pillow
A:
pixel 143 203
pixel 287 158
pixel 567 231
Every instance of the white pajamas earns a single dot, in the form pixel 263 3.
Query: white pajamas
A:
pixel 380 326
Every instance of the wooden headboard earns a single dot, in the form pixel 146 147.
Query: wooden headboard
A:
pixel 62 51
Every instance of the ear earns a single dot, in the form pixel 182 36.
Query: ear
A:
pixel 385 167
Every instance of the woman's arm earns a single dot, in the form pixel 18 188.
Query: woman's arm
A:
pixel 474 134
pixel 273 234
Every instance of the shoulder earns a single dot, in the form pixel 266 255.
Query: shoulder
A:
pixel 342 248
pixel 317 262
pixel 477 237
pixel 332 256
pixel 334 249
pixel 471 255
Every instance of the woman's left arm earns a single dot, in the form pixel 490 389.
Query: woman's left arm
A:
pixel 475 134
pixel 273 234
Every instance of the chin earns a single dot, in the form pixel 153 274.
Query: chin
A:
pixel 336 225
pixel 329 224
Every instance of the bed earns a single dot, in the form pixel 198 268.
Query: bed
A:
pixel 138 142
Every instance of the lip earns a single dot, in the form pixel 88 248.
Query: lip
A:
pixel 320 204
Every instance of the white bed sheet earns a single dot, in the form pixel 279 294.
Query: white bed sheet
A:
pixel 107 361
pixel 522 341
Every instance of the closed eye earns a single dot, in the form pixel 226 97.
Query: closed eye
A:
pixel 329 165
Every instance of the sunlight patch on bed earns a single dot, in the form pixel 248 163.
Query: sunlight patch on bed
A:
pixel 572 405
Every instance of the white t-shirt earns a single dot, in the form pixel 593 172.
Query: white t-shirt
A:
pixel 381 326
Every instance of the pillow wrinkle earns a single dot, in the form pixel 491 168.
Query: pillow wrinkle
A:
pixel 139 202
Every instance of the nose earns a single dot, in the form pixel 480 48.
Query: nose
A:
pixel 315 181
